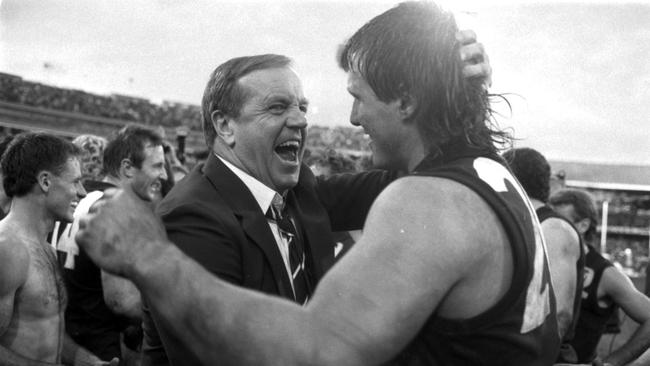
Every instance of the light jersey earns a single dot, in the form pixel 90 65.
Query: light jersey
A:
pixel 88 320
pixel 521 328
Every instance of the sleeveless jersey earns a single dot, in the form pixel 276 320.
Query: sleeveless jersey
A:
pixel 521 328
pixel 593 318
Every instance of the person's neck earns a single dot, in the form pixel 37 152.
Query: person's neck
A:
pixel 31 218
pixel 416 153
pixel 229 155
pixel 116 181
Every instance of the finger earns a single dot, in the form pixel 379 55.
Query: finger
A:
pixel 85 222
pixel 477 70
pixel 466 36
pixel 80 236
pixel 472 52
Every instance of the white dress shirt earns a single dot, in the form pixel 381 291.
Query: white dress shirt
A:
pixel 264 197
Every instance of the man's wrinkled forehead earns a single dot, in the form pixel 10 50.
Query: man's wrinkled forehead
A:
pixel 271 81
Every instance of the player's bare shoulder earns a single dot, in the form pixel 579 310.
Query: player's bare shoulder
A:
pixel 442 205
pixel 34 267
pixel 14 261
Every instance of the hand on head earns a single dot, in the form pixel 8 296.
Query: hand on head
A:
pixel 120 231
pixel 477 64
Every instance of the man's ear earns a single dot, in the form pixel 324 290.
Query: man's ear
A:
pixel 127 169
pixel 223 125
pixel 44 180
pixel 407 105
pixel 583 225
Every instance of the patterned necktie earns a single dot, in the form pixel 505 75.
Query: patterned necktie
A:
pixel 301 284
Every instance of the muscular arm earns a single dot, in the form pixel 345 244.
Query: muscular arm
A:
pixel 643 360
pixel 121 296
pixel 402 268
pixel 563 246
pixel 620 289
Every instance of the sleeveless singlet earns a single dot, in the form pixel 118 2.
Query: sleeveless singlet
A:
pixel 593 318
pixel 521 328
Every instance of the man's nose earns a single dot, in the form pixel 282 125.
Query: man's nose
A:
pixel 297 119
pixel 81 191
pixel 354 120
pixel 163 174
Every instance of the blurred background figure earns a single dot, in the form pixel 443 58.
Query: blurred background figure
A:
pixel 605 288
pixel 92 158
pixel 566 256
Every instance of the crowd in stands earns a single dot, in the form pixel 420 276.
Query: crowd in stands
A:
pixel 14 89
pixel 339 138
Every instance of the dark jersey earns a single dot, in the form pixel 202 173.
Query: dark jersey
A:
pixel 593 318
pixel 88 320
pixel 521 328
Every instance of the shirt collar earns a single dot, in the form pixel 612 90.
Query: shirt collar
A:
pixel 262 193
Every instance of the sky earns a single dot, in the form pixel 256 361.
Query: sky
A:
pixel 576 74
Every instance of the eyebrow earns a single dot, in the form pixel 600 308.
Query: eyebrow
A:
pixel 284 97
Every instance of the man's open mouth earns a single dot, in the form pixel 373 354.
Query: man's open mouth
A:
pixel 288 151
pixel 156 186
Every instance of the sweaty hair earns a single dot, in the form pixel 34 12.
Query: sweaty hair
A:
pixel 31 153
pixel 411 51
pixel 4 143
pixel 532 170
pixel 584 207
pixel 223 91
pixel 129 143
pixel 92 155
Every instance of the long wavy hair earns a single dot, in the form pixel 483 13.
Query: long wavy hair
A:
pixel 411 51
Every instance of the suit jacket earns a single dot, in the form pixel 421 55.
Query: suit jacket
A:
pixel 213 217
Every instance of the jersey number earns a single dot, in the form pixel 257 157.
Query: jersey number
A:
pixel 538 305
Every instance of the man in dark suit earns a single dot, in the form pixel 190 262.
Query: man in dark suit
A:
pixel 254 120
pixel 220 214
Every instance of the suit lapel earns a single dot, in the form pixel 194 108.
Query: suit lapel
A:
pixel 253 222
